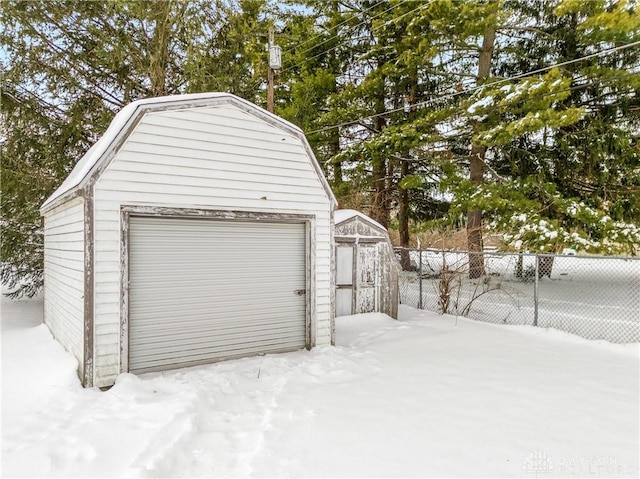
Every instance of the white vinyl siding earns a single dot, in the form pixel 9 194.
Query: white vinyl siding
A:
pixel 202 290
pixel 218 158
pixel 64 276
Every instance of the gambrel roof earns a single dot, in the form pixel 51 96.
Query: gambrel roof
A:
pixel 125 121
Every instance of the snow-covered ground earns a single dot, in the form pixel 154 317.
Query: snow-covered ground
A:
pixel 424 396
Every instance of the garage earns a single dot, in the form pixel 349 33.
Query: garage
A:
pixel 198 228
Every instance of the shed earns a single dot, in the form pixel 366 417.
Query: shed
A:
pixel 197 229
pixel 366 267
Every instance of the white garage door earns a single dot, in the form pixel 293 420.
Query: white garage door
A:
pixel 204 290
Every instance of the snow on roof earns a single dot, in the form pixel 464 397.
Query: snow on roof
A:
pixel 118 125
pixel 341 216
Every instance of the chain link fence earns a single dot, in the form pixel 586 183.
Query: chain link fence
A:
pixel 590 296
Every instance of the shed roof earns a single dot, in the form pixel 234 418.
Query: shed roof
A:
pixel 120 128
pixel 340 216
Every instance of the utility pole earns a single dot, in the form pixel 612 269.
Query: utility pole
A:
pixel 275 63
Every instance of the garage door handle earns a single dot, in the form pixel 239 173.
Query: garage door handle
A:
pixel 300 292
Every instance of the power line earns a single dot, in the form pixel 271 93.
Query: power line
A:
pixel 349 29
pixel 353 28
pixel 479 87
pixel 257 83
pixel 373 5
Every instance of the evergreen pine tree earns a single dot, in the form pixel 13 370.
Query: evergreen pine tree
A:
pixel 69 66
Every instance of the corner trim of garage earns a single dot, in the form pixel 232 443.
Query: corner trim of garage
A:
pixel 126 211
pixel 88 322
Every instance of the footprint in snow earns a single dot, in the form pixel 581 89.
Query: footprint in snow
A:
pixel 67 451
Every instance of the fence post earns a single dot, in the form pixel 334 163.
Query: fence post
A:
pixel 535 292
pixel 420 278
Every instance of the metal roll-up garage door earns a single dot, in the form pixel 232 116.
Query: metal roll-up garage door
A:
pixel 202 290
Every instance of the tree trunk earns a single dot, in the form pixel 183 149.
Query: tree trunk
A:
pixel 380 203
pixel 334 146
pixel 474 217
pixel 520 266
pixel 403 219
pixel 403 193
pixel 476 167
pixel 379 211
pixel 545 265
pixel 159 54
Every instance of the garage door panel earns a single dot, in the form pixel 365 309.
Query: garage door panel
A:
pixel 156 312
pixel 221 344
pixel 159 363
pixel 206 290
pixel 204 322
pixel 216 350
pixel 145 306
pixel 236 288
pixel 215 339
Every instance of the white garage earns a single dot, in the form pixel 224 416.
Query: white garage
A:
pixel 199 228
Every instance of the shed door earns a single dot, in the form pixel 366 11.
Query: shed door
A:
pixel 367 278
pixel 204 290
pixel 344 280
